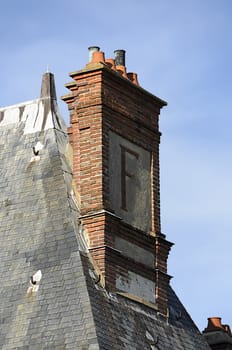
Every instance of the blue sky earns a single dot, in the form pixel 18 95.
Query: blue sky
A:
pixel 182 52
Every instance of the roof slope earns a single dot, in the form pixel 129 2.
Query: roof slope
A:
pixel 122 323
pixel 39 231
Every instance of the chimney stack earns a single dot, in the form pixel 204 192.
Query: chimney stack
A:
pixel 116 172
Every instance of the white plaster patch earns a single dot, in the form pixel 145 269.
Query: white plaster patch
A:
pixel 32 289
pixel 30 110
pixel 34 159
pixel 10 116
pixel 35 122
pixel 137 285
pixel 34 282
pixel 39 146
pixel 32 113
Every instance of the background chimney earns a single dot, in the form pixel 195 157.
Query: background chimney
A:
pixel 218 335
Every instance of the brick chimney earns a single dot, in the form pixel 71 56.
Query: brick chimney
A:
pixel 114 132
pixel 218 335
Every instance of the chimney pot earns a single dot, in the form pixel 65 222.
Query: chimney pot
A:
pixel 92 49
pixel 98 56
pixel 133 77
pixel 120 57
pixel 214 323
pixel 122 71
pixel 110 62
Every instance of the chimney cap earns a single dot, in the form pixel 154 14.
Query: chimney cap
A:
pixel 120 50
pixel 97 48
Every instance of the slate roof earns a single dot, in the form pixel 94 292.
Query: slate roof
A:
pixel 39 231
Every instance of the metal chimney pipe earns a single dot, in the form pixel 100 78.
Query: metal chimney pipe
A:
pixel 120 57
pixel 92 49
